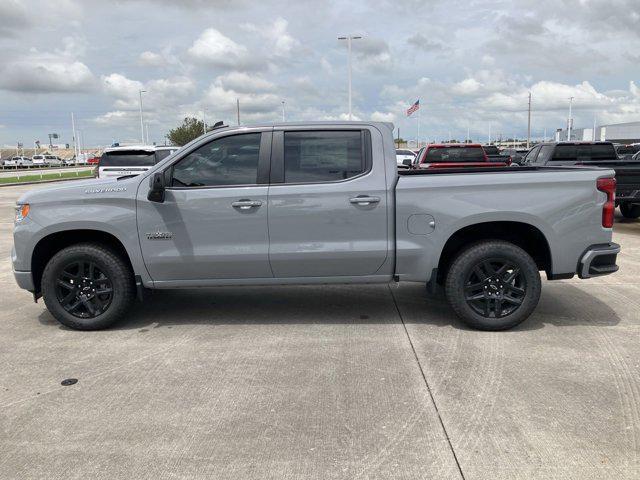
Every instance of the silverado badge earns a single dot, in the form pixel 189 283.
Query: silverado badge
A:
pixel 158 235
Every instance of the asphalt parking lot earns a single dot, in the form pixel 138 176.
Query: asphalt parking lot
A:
pixel 325 382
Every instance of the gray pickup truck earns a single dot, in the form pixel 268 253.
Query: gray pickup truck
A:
pixel 312 203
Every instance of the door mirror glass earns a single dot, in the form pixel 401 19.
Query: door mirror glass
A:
pixel 407 162
pixel 156 187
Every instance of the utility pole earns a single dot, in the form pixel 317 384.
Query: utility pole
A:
pixel 489 134
pixel 594 127
pixel 204 121
pixel 283 111
pixel 467 139
pixel 75 140
pixel 349 38
pixel 141 117
pixel 570 122
pixel 238 109
pixel 529 123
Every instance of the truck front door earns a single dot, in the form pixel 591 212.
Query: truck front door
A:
pixel 213 221
pixel 327 203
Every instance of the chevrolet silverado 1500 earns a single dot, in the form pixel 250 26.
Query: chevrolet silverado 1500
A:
pixel 313 203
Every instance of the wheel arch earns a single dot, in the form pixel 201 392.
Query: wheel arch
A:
pixel 526 236
pixel 53 242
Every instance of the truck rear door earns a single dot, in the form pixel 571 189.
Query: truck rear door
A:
pixel 327 203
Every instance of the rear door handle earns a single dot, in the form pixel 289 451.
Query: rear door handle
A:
pixel 246 204
pixel 364 200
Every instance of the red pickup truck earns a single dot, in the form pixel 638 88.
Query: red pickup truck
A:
pixel 454 155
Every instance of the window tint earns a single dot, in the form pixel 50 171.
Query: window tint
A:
pixel 229 160
pixel 545 154
pixel 322 156
pixel 455 154
pixel 127 158
pixel 581 153
pixel 491 150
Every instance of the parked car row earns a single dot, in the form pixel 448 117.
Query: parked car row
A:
pixel 39 160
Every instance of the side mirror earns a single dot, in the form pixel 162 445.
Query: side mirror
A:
pixel 407 162
pixel 156 188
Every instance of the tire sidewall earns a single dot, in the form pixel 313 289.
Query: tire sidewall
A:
pixel 461 268
pixel 107 262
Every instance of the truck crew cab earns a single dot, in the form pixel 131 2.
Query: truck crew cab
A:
pixel 308 203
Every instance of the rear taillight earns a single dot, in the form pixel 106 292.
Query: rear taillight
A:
pixel 608 186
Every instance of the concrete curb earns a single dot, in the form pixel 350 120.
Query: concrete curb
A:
pixel 45 181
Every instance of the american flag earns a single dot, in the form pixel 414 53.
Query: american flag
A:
pixel 413 108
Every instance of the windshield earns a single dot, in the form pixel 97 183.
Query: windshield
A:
pixel 128 158
pixel 404 152
pixel 455 154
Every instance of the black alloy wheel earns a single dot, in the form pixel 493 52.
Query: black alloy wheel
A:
pixel 495 287
pixel 83 289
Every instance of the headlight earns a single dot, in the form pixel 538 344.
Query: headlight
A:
pixel 21 212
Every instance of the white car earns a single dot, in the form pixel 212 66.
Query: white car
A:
pixel 39 161
pixel 402 155
pixel 53 161
pixel 17 161
pixel 131 160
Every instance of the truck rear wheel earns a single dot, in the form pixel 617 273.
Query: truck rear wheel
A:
pixel 87 286
pixel 629 210
pixel 493 285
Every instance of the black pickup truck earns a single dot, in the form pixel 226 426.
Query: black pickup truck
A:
pixel 594 154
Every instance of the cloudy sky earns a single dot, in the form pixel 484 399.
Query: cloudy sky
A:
pixel 471 63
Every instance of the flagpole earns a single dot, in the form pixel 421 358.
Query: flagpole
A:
pixel 418 130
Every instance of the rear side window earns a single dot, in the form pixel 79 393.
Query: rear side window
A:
pixel 323 156
pixel 546 151
pixel 583 153
pixel 455 154
pixel 231 160
pixel 491 150
pixel 127 158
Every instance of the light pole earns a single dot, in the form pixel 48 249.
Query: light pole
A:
pixel 283 111
pixel 141 116
pixel 529 123
pixel 349 38
pixel 570 122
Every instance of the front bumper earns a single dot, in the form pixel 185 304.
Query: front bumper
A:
pixel 24 280
pixel 598 260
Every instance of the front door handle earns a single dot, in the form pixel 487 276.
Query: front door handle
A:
pixel 364 200
pixel 246 204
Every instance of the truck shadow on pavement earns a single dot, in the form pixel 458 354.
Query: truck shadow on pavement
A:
pixel 561 304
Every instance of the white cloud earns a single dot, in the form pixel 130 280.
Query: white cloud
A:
pixel 466 86
pixel 242 82
pixel 46 74
pixel 281 43
pixel 125 90
pixel 151 59
pixel 215 49
pixel 383 116
pixel 14 15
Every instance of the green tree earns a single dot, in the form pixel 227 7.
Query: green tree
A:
pixel 190 129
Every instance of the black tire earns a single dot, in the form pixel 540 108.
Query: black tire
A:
pixel 511 292
pixel 92 275
pixel 629 210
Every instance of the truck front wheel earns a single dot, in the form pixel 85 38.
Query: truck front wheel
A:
pixel 493 285
pixel 87 286
pixel 629 210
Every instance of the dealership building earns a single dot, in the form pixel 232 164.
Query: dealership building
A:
pixel 615 132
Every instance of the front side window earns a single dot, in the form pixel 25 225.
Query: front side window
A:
pixel 531 156
pixel 231 160
pixel 323 156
